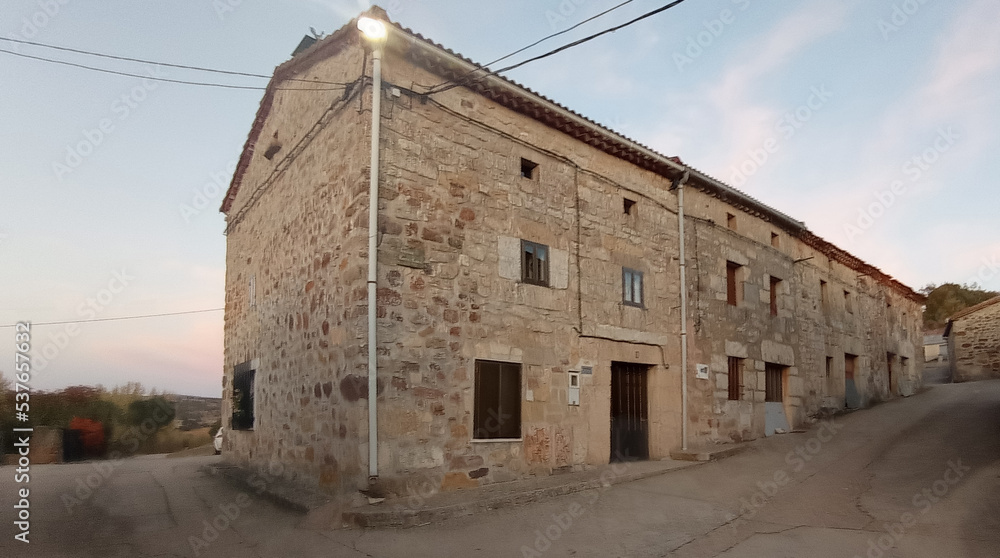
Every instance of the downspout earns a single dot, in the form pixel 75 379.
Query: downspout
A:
pixel 373 266
pixel 679 183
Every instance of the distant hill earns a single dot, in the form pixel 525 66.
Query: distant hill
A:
pixel 195 412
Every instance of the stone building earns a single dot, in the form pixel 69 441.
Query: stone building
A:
pixel 974 342
pixel 528 287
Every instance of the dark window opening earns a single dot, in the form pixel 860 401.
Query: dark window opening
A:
pixel 823 295
pixel 629 206
pixel 497 413
pixel 775 240
pixel 848 303
pixel 534 263
pixel 735 378
pixel 528 169
pixel 774 378
pixel 632 287
pixel 731 221
pixel 731 293
pixel 775 285
pixel 243 387
pixel 829 366
pixel 272 151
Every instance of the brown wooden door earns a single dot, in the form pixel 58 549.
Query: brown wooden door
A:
pixel 629 412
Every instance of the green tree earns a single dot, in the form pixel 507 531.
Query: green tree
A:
pixel 945 300
pixel 156 409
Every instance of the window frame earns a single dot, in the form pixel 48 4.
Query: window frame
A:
pixel 535 273
pixel 244 412
pixel 481 430
pixel 736 367
pixel 629 286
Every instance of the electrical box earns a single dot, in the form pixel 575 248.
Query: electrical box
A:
pixel 573 393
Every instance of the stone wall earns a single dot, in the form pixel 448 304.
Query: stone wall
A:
pixel 974 345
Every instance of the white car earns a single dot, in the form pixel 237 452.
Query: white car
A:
pixel 217 442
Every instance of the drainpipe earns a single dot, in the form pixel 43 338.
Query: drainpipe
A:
pixel 376 32
pixel 679 183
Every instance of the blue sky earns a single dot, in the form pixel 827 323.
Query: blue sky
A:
pixel 875 122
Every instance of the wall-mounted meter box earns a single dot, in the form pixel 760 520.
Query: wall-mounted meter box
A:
pixel 573 394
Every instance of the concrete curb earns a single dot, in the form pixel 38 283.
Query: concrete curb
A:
pixel 707 454
pixel 394 513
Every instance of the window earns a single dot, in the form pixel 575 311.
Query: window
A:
pixel 631 287
pixel 731 292
pixel 775 285
pixel 774 376
pixel 497 413
pixel 528 169
pixel 829 367
pixel 735 378
pixel 534 263
pixel 848 303
pixel 823 297
pixel 775 240
pixel 730 221
pixel 243 386
pixel 629 206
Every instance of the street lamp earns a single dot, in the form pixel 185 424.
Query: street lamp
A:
pixel 375 32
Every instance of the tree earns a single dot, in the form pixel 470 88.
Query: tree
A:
pixel 945 300
pixel 156 409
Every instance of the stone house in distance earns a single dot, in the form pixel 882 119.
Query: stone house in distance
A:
pixel 528 287
pixel 974 342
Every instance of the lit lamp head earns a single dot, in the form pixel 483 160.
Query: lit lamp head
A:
pixel 373 30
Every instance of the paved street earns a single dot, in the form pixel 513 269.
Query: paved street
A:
pixel 920 477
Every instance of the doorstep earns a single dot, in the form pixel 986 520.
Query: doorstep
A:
pixel 707 453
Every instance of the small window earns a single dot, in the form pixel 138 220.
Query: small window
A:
pixel 529 169
pixel 731 284
pixel 775 240
pixel 497 413
pixel 775 286
pixel 632 287
pixel 731 221
pixel 243 397
pixel 829 367
pixel 629 206
pixel 774 377
pixel 848 302
pixel 534 263
pixel 735 378
pixel 823 296
pixel 272 151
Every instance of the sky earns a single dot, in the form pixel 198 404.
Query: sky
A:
pixel 875 122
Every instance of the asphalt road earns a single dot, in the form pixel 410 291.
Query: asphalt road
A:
pixel 915 477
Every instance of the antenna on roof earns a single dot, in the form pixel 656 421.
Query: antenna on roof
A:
pixel 316 34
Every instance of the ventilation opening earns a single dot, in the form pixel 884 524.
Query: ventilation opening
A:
pixel 731 221
pixel 272 151
pixel 629 206
pixel 528 168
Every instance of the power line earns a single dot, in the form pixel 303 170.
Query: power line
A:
pixel 539 41
pixel 562 48
pixel 121 318
pixel 168 80
pixel 167 64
